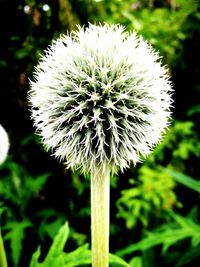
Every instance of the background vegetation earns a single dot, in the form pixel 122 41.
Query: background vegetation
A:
pixel 155 206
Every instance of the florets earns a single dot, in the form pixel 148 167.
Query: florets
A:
pixel 100 97
pixel 4 145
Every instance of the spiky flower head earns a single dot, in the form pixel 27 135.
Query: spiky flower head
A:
pixel 4 144
pixel 100 97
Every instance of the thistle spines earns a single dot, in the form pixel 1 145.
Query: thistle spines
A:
pixel 100 97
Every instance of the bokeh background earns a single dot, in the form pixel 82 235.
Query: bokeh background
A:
pixel 156 202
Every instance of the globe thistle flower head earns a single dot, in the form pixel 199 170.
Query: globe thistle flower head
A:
pixel 100 98
pixel 4 144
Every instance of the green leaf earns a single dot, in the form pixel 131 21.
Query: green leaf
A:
pixel 79 257
pixel 35 184
pixel 59 241
pixel 51 221
pixel 3 260
pixel 190 255
pixel 136 262
pixel 22 53
pixel 16 236
pixel 19 186
pixel 167 236
pixel 184 179
pixel 194 110
pixel 35 257
pixel 2 209
pixel 54 257
pixel 116 261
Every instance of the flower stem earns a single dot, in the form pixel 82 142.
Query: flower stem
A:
pixel 3 261
pixel 100 206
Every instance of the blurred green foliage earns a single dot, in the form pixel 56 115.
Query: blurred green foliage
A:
pixel 151 195
pixel 155 206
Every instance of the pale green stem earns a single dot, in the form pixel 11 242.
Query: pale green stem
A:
pixel 3 261
pixel 100 207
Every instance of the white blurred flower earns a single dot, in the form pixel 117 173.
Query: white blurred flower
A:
pixel 4 145
pixel 100 97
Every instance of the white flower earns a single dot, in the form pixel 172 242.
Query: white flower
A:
pixel 100 97
pixel 4 145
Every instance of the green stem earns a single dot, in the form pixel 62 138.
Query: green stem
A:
pixel 100 206
pixel 3 261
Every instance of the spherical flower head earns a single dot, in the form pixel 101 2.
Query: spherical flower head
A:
pixel 4 145
pixel 100 98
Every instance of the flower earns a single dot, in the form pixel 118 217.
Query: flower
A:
pixel 4 145
pixel 100 97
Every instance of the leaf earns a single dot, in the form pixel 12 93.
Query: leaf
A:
pixel 136 262
pixel 16 236
pixel 59 241
pixel 79 257
pixel 51 221
pixel 22 53
pixel 194 110
pixel 190 255
pixel 184 179
pixel 35 257
pixel 54 257
pixel 3 260
pixel 116 261
pixel 50 228
pixel 19 186
pixel 167 236
pixel 2 209
pixel 36 184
